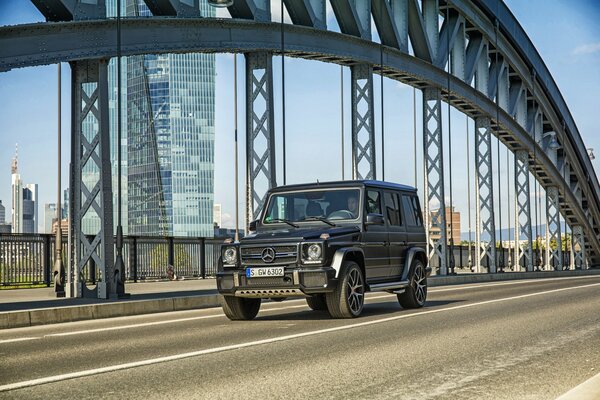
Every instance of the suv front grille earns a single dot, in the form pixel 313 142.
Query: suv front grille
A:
pixel 284 254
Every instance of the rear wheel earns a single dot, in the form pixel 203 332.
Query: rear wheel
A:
pixel 240 308
pixel 317 302
pixel 347 300
pixel 416 293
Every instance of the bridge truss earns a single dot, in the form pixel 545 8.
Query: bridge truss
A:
pixel 472 54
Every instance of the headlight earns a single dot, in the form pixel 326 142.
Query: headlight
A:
pixel 314 252
pixel 230 255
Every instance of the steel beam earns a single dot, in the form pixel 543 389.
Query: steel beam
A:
pixel 19 46
pixel 174 8
pixel 363 123
pixel 553 234
pixel 419 40
pixel 354 17
pixel 257 10
pixel 260 132
pixel 433 151
pixel 310 13
pixel 386 24
pixel 68 10
pixel 523 251
pixel 400 17
pixel 485 195
pixel 91 143
pixel 578 243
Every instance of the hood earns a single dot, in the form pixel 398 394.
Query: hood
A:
pixel 302 233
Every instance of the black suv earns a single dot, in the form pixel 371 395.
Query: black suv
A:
pixel 331 243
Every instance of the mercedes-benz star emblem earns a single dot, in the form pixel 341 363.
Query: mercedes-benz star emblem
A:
pixel 268 255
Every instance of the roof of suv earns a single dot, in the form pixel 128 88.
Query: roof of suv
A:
pixel 372 183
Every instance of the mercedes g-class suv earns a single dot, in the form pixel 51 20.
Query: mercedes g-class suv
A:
pixel 331 243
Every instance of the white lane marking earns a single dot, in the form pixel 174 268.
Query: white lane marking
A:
pixel 588 390
pixel 373 297
pixel 136 364
pixel 18 339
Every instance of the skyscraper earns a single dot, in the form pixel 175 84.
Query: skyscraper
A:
pixel 24 201
pixel 2 213
pixel 170 140
pixel 49 216
pixel 30 208
pixel 17 195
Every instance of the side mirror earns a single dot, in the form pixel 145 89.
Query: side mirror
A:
pixel 252 226
pixel 374 219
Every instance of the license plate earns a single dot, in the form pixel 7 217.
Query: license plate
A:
pixel 264 272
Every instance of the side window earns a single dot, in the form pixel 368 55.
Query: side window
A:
pixel 373 203
pixel 392 211
pixel 417 210
pixel 409 213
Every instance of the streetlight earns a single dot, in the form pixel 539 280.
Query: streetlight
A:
pixel 59 269
pixel 221 4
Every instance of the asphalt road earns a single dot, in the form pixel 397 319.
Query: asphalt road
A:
pixel 508 340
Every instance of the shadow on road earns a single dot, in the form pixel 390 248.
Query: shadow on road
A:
pixel 370 310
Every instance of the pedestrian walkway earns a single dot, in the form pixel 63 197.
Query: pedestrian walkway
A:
pixel 26 299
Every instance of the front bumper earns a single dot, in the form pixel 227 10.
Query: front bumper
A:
pixel 296 282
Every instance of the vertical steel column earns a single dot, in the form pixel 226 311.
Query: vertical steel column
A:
pixel 578 243
pixel 260 132
pixel 522 211
pixel 363 123
pixel 433 151
pixel 485 194
pixel 92 154
pixel 553 256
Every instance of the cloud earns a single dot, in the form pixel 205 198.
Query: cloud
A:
pixel 589 48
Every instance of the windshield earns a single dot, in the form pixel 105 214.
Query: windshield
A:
pixel 329 204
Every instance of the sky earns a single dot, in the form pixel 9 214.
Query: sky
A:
pixel 566 34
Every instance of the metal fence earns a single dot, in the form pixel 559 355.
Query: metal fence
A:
pixel 27 259
pixel 504 256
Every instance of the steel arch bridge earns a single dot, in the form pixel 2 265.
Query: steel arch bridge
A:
pixel 472 54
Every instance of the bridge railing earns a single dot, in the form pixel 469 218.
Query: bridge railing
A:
pixel 27 259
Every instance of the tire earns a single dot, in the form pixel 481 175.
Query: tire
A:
pixel 416 293
pixel 348 298
pixel 317 302
pixel 240 308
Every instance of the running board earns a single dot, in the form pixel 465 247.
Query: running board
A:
pixel 392 287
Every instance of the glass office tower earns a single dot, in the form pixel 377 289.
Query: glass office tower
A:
pixel 170 140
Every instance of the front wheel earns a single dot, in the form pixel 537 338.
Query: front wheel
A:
pixel 240 308
pixel 416 293
pixel 348 298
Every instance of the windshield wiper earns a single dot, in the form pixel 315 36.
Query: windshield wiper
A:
pixel 322 219
pixel 284 220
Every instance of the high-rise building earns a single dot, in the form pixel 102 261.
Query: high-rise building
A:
pixel 452 225
pixel 167 139
pixel 30 208
pixel 170 140
pixel 49 216
pixel 24 201
pixel 2 213
pixel 17 195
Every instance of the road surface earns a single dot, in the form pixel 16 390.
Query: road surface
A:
pixel 504 340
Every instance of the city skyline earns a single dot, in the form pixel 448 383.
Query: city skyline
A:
pixel 313 106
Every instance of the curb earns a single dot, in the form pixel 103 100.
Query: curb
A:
pixel 506 276
pixel 44 316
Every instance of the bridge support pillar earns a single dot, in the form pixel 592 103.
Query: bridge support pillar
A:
pixel 485 195
pixel 578 243
pixel 433 151
pixel 554 259
pixel 363 123
pixel 523 252
pixel 92 197
pixel 260 132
